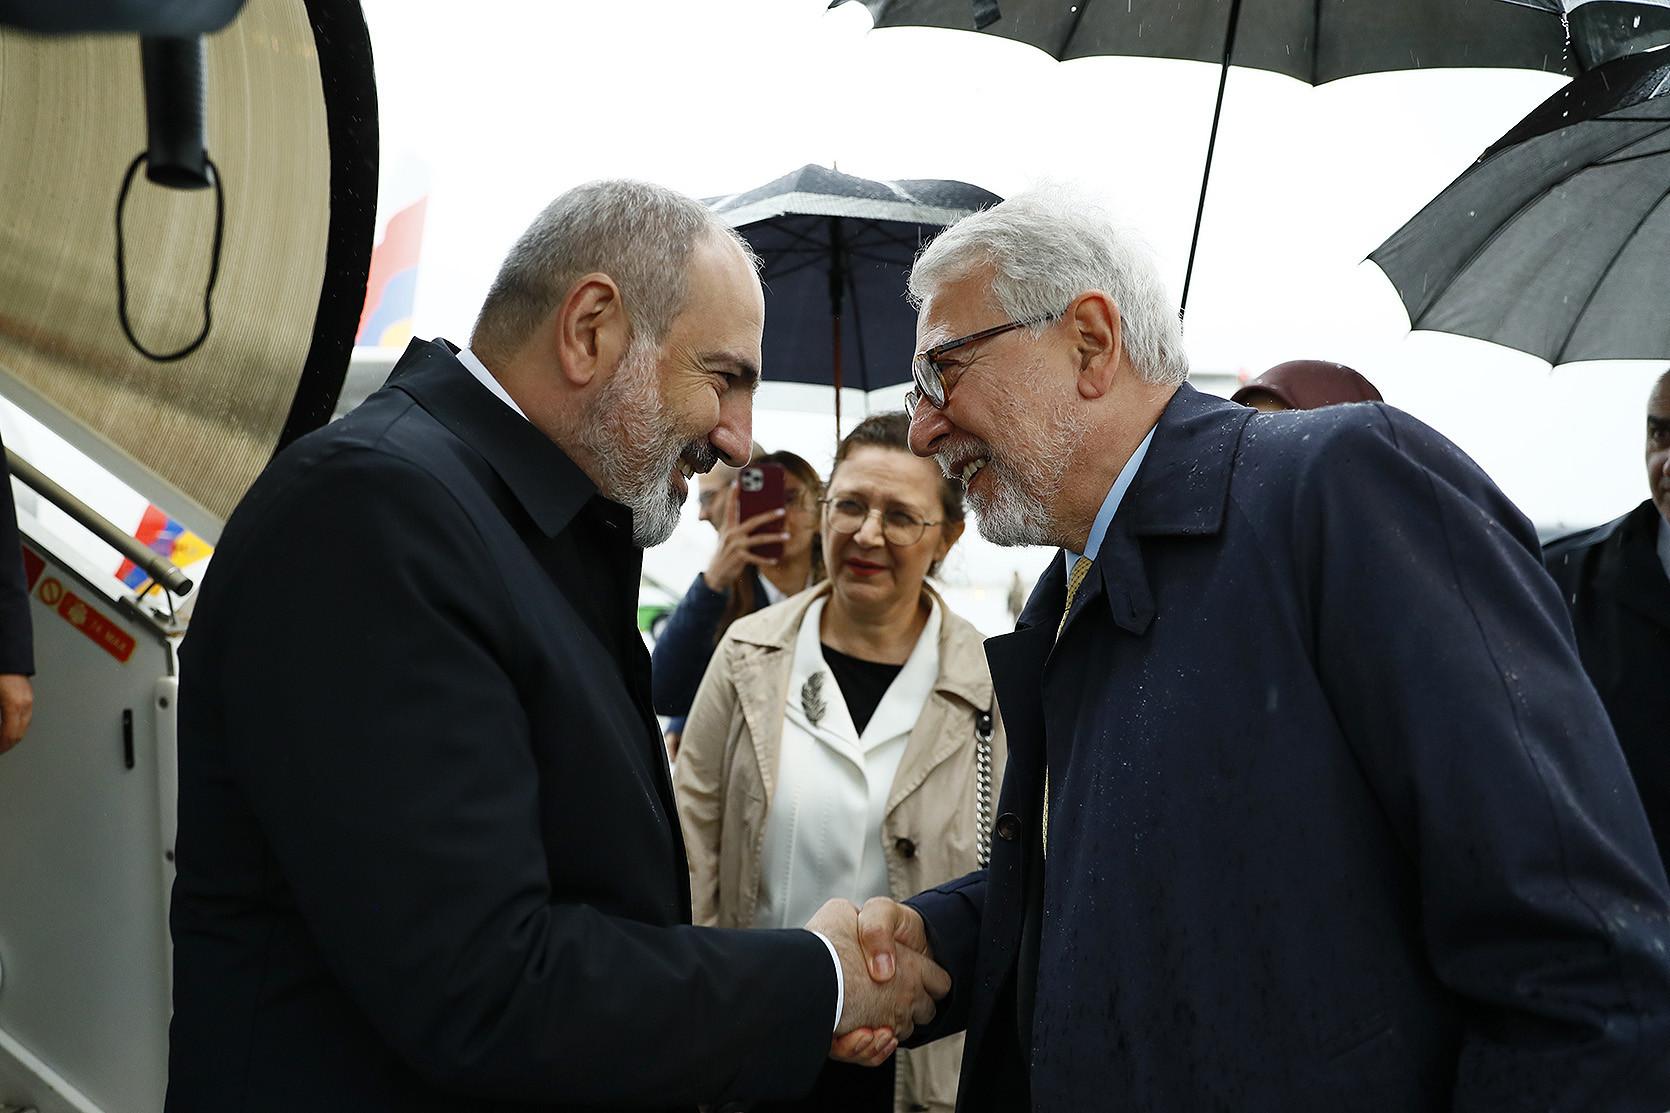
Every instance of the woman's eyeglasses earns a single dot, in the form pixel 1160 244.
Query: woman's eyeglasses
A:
pixel 899 527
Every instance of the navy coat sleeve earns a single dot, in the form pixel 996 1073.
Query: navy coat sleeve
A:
pixel 1446 654
pixel 402 808
pixel 17 634
pixel 951 914
pixel 686 645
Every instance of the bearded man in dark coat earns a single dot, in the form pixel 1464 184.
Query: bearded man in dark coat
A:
pixel 1616 579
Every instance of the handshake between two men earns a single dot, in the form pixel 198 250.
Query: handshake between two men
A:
pixel 890 979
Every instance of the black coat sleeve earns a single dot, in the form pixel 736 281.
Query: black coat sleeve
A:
pixel 17 633
pixel 1446 653
pixel 378 737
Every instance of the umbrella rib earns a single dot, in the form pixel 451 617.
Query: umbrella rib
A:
pixel 1073 28
pixel 1632 158
pixel 1501 227
pixel 1315 41
pixel 802 264
pixel 1604 275
pixel 858 330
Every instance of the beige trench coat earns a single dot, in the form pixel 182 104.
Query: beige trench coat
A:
pixel 726 773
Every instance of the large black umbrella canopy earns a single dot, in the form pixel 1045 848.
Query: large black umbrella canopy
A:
pixel 1313 40
pixel 837 252
pixel 1557 240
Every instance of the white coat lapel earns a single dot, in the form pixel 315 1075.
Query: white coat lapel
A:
pixel 817 706
pixel 902 704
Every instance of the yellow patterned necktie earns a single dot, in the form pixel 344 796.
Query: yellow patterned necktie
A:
pixel 1075 580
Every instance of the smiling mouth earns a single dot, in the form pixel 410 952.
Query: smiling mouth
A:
pixel 972 469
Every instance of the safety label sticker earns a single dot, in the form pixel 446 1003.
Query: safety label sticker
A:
pixel 76 611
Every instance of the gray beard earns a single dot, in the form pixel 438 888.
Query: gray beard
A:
pixel 634 445
pixel 1016 508
pixel 1012 515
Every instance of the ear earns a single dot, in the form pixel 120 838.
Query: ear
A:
pixel 592 329
pixel 1098 335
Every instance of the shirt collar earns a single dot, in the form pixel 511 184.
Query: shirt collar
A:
pixel 473 364
pixel 1104 516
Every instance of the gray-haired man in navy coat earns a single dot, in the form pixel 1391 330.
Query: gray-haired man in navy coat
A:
pixel 1309 805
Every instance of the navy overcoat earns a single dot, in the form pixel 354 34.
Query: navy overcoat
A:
pixel 1336 820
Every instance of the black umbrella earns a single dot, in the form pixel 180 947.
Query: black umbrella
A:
pixel 837 252
pixel 1557 240
pixel 1310 40
pixel 1602 30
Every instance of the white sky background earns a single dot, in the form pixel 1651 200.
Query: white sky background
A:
pixel 512 101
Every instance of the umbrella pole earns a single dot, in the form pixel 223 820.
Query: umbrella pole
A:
pixel 836 351
pixel 837 290
pixel 1211 146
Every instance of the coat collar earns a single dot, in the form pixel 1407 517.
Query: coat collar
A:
pixel 961 652
pixel 1634 575
pixel 550 486
pixel 900 706
pixel 1181 490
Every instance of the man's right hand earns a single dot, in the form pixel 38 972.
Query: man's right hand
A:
pixel 17 707
pixel 888 986
pixel 736 546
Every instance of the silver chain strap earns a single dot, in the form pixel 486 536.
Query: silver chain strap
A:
pixel 983 788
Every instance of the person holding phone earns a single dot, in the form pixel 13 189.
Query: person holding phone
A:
pixel 767 552
pixel 845 743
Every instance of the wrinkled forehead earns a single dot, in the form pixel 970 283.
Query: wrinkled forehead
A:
pixel 954 309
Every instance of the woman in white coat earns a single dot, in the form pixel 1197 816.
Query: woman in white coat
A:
pixel 844 743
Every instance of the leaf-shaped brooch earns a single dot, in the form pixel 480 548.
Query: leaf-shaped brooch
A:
pixel 811 698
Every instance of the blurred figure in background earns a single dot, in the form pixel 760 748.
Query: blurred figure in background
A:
pixel 854 726
pixel 737 581
pixel 17 632
pixel 1616 580
pixel 713 493
pixel 1306 384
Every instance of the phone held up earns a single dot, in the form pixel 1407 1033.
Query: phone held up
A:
pixel 759 487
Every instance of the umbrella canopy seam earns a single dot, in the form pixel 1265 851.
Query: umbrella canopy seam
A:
pixel 1577 319
pixel 1430 299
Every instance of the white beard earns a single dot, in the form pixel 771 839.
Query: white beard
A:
pixel 632 439
pixel 1014 508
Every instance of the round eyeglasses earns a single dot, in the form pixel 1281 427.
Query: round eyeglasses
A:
pixel 899 527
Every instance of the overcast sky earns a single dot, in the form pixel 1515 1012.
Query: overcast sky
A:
pixel 511 101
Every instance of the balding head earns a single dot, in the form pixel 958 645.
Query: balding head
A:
pixel 639 234
pixel 1658 444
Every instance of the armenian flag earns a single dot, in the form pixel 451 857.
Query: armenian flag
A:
pixel 162 534
pixel 386 320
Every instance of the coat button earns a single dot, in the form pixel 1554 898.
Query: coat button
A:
pixel 1008 826
pixel 905 847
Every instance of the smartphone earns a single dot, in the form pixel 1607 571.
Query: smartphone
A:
pixel 759 487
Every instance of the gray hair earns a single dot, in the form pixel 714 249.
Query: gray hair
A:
pixel 1045 248
pixel 639 234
